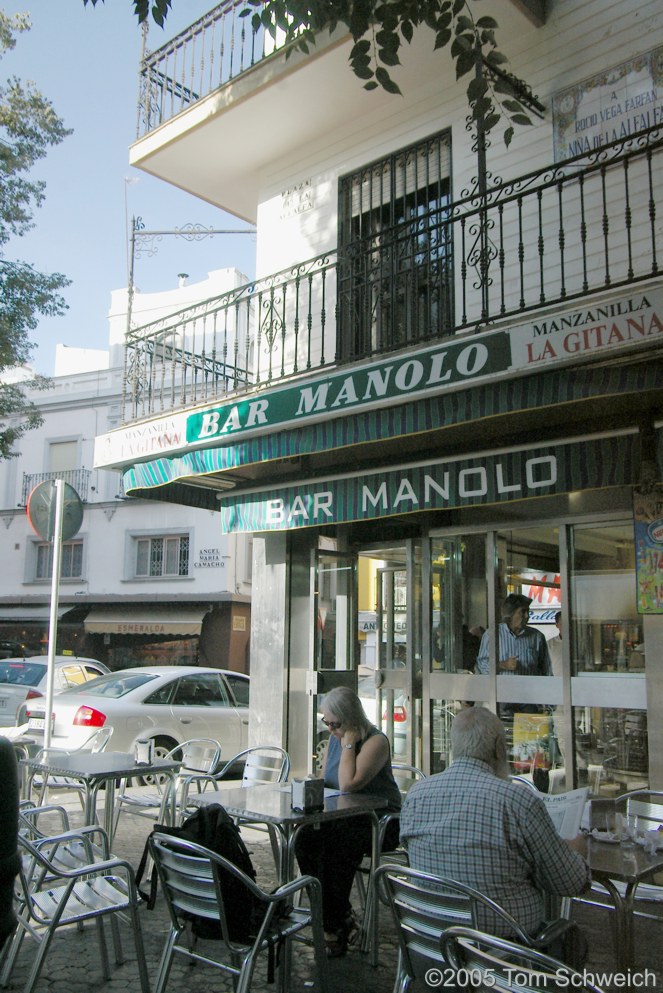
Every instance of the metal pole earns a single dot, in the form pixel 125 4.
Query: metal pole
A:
pixel 55 594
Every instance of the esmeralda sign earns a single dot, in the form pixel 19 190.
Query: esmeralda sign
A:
pixel 484 479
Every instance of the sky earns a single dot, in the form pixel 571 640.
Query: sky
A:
pixel 86 61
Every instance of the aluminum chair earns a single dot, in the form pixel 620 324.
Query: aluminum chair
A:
pixel 423 906
pixel 191 879
pixel 262 764
pixel 90 892
pixel 200 758
pixel 405 776
pixel 507 967
pixel 47 827
pixel 96 742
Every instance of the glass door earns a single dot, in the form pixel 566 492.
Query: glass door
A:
pixel 335 637
pixel 457 619
pixel 390 652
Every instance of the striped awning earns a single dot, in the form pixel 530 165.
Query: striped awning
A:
pixel 525 394
pixel 147 620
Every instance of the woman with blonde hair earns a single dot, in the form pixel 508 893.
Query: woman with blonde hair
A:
pixel 357 760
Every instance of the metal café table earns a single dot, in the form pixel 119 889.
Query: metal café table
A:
pixel 270 805
pixel 626 863
pixel 93 770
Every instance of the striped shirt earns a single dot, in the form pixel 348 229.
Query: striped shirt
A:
pixel 529 646
pixel 496 836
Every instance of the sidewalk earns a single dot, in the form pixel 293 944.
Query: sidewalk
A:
pixel 72 965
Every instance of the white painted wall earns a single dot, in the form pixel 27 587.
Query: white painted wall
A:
pixel 580 38
pixel 84 401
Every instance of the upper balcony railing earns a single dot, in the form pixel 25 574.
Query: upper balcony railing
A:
pixel 217 48
pixel 79 479
pixel 580 227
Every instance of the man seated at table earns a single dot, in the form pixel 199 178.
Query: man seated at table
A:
pixel 471 824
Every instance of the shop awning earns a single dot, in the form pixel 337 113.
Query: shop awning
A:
pixel 32 612
pixel 145 620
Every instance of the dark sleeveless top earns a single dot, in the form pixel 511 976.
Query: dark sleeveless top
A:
pixel 382 784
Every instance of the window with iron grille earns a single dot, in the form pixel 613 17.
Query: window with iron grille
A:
pixel 72 560
pixel 395 251
pixel 162 556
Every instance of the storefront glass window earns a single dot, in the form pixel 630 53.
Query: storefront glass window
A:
pixel 608 657
pixel 611 749
pixel 607 630
pixel 459 608
pixel 442 713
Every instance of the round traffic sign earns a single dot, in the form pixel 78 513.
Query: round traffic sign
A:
pixel 41 510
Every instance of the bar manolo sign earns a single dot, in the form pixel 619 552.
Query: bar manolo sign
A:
pixel 409 376
pixel 549 341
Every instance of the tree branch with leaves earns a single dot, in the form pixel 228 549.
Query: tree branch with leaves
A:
pixel 28 127
pixel 379 29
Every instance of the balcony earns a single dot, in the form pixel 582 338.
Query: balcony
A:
pixel 580 227
pixel 79 479
pixel 212 52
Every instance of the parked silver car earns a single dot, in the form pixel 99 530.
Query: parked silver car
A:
pixel 24 679
pixel 168 704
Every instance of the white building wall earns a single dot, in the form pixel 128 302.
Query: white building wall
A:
pixel 83 402
pixel 579 39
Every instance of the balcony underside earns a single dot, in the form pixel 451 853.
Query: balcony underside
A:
pixel 220 144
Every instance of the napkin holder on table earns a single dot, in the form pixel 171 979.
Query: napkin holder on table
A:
pixel 308 794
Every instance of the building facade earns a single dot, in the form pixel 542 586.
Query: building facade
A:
pixel 445 385
pixel 140 582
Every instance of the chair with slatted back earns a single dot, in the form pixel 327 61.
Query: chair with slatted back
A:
pixel 169 803
pixel 48 828
pixel 44 785
pixel 260 765
pixel 502 966
pixel 405 776
pixel 90 892
pixel 423 906
pixel 195 880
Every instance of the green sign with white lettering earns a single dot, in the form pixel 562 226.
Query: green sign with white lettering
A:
pixel 465 360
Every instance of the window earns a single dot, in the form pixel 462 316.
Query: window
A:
pixel 162 556
pixel 72 560
pixel 240 687
pixel 395 272
pixel 204 690
pixel 62 456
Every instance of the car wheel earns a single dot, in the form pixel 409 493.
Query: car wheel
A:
pixel 162 746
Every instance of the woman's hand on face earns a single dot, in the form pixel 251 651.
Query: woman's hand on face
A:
pixel 350 737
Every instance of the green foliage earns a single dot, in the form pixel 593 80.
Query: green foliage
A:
pixel 143 8
pixel 28 127
pixel 379 28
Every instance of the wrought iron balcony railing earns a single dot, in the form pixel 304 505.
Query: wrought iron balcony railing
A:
pixel 218 47
pixel 79 479
pixel 583 226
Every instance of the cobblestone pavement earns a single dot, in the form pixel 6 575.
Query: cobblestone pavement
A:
pixel 72 965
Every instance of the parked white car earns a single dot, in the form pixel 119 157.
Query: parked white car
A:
pixel 168 704
pixel 24 679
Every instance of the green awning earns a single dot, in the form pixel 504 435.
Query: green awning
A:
pixel 524 394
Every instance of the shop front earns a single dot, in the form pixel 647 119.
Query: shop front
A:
pixel 395 504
